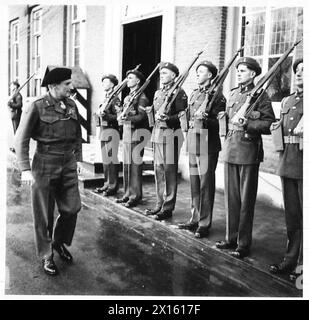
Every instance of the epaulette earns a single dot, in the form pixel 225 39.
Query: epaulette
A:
pixel 40 98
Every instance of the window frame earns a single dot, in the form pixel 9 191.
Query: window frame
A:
pixel 36 50
pixel 79 20
pixel 14 46
pixel 267 43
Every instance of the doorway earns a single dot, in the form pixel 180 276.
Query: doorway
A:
pixel 142 45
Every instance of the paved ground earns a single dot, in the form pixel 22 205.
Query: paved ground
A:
pixel 118 251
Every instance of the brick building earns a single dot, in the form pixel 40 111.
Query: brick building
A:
pixel 114 38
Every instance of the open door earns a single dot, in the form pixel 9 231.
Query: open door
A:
pixel 142 44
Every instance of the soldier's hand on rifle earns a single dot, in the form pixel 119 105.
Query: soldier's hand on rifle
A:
pixel 79 167
pixel 123 117
pixel 148 109
pixel 241 122
pixel 201 116
pixel 26 177
pixel 162 117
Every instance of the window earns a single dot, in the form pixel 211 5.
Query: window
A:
pixel 14 53
pixel 36 51
pixel 266 34
pixel 78 14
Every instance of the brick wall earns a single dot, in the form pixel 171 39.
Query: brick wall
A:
pixel 198 28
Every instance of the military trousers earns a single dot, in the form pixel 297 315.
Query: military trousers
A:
pixel 132 172
pixel 293 204
pixel 203 187
pixel 55 182
pixel 241 183
pixel 166 170
pixel 16 120
pixel 110 163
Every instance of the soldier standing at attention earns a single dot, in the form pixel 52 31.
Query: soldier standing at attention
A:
pixel 290 169
pixel 53 121
pixel 135 119
pixel 203 147
pixel 167 140
pixel 242 154
pixel 107 121
pixel 15 105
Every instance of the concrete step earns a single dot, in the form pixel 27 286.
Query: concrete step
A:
pixel 250 277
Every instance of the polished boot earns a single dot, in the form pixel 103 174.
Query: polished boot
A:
pixel 151 212
pixel 201 232
pixel 49 266
pixel 122 200
pixel 130 203
pixel 101 189
pixel 191 226
pixel 63 252
pixel 281 268
pixel 226 245
pixel 240 253
pixel 109 192
pixel 163 215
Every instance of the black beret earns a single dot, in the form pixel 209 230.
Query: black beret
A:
pixel 111 77
pixel 296 63
pixel 251 63
pixel 211 67
pixel 137 73
pixel 169 66
pixel 56 75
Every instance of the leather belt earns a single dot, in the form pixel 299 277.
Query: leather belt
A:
pixel 233 127
pixel 291 139
pixel 60 148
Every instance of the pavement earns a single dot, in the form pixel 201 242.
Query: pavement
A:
pixel 250 275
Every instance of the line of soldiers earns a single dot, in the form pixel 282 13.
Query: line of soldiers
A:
pixel 15 105
pixel 53 121
pixel 242 154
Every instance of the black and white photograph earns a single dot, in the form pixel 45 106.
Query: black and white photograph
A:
pixel 153 149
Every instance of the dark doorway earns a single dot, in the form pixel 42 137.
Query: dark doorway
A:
pixel 142 45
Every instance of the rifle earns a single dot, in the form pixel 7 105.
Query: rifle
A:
pixel 173 92
pixel 212 93
pixel 135 96
pixel 18 90
pixel 256 93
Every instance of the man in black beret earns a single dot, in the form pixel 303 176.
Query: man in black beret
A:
pixel 242 154
pixel 167 140
pixel 106 120
pixel 290 169
pixel 203 145
pixel 53 121
pixel 134 120
pixel 15 105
